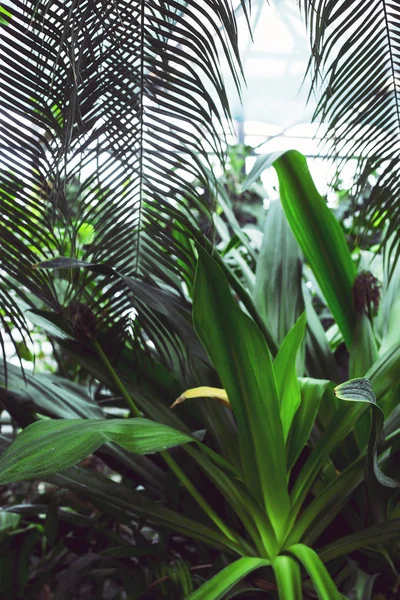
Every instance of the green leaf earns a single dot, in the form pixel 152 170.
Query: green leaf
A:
pixel 312 391
pixel 221 583
pixel 288 578
pixel 237 496
pixel 363 355
pixel 370 536
pixel 384 373
pixel 51 395
pixel 5 16
pixel 115 498
pixel 360 390
pixel 364 350
pixel 46 447
pixel 277 291
pixel 242 359
pixel 8 521
pixel 287 384
pixel 323 584
pixel 316 517
pixel 320 361
pixel 319 236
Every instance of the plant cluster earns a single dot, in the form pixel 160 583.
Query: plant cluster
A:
pixel 223 420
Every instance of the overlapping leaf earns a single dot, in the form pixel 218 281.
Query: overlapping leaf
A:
pixel 356 56
pixel 109 113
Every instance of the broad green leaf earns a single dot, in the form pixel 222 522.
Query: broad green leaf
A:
pixel 360 390
pixel 46 447
pixel 115 498
pixel 277 291
pixel 370 536
pixel 322 582
pixel 221 583
pixel 319 236
pixel 284 365
pixel 288 578
pixel 242 359
pixel 311 391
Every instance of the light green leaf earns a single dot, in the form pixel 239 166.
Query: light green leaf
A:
pixel 221 583
pixel 312 391
pixel 319 236
pixel 277 291
pixel 5 16
pixel 46 447
pixel 241 356
pixel 287 384
pixel 288 578
pixel 323 584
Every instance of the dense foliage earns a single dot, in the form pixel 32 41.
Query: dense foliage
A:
pixel 222 419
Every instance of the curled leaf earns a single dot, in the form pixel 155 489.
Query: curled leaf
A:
pixel 360 390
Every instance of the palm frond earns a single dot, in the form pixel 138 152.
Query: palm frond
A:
pixel 110 111
pixel 356 60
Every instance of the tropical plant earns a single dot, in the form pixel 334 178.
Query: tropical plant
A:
pixel 107 194
pixel 355 63
pixel 111 109
pixel 279 479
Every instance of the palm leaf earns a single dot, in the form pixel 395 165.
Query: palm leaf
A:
pixel 356 58
pixel 110 110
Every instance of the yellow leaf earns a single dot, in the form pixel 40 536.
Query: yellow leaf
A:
pixel 204 392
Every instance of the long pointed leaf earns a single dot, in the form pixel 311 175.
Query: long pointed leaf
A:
pixel 221 583
pixel 287 384
pixel 46 447
pixel 323 584
pixel 242 359
pixel 319 236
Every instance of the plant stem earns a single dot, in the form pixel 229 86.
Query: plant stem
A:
pixel 116 380
pixel 199 498
pixel 167 458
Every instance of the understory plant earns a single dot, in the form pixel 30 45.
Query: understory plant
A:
pixel 285 473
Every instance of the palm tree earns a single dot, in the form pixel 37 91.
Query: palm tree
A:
pixel 356 57
pixel 110 112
